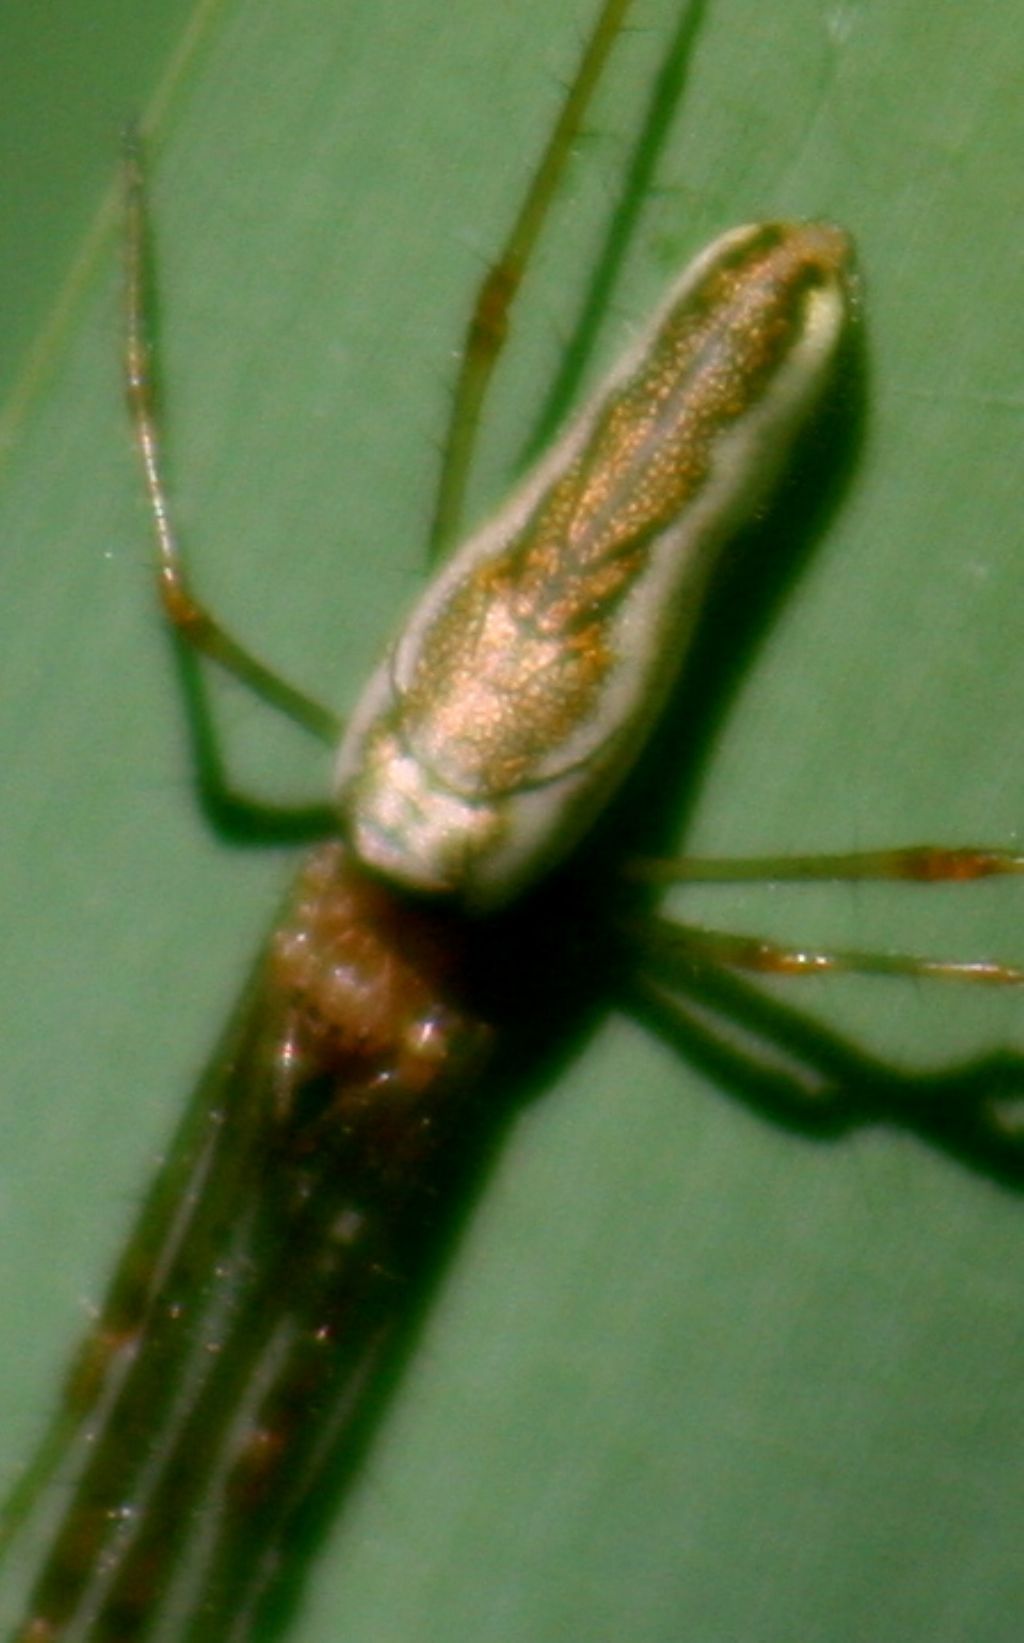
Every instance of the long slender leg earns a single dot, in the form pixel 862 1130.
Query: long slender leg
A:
pixel 487 330
pixel 654 936
pixel 168 1222
pixel 191 620
pixel 917 864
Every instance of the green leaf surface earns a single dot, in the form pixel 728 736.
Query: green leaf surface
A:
pixel 690 1376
